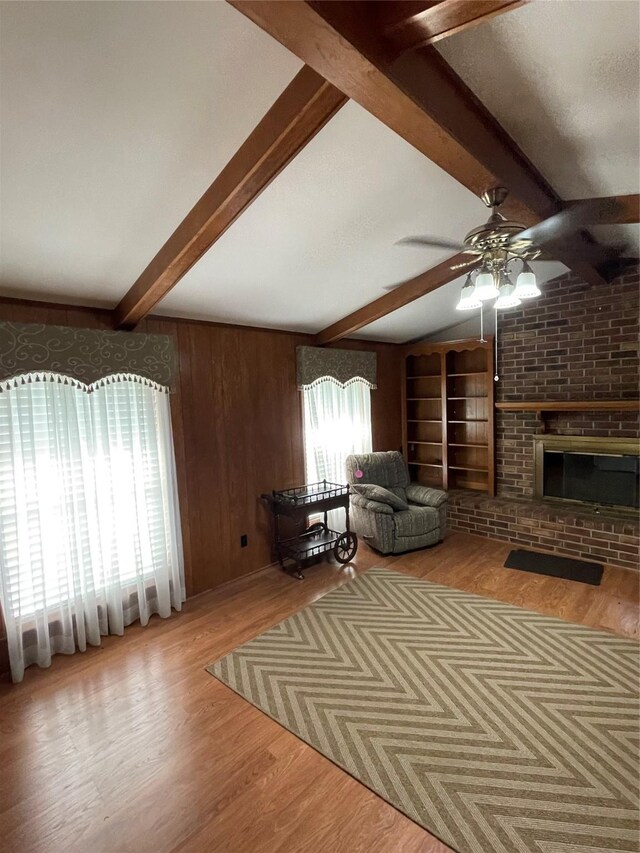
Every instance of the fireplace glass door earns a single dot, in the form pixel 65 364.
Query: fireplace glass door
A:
pixel 592 477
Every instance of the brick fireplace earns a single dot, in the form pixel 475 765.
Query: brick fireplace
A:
pixel 575 343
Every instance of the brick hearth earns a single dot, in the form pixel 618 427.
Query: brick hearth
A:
pixel 576 342
pixel 546 527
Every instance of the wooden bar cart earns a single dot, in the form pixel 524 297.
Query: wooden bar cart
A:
pixel 298 504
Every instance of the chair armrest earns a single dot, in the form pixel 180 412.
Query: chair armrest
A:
pixel 372 506
pixel 425 495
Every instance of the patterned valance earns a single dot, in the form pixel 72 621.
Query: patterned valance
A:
pixel 84 354
pixel 340 365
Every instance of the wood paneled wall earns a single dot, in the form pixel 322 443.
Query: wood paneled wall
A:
pixel 237 422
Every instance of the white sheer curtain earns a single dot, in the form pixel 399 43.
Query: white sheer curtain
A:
pixel 89 523
pixel 337 422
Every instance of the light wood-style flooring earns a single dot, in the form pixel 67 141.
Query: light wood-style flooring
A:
pixel 134 747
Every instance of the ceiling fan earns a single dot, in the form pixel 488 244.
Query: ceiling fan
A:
pixel 493 246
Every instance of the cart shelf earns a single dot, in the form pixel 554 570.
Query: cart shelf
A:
pixel 301 502
pixel 311 543
pixel 312 493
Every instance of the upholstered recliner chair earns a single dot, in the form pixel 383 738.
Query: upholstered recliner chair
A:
pixel 400 516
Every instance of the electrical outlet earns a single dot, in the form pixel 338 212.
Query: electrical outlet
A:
pixel 244 541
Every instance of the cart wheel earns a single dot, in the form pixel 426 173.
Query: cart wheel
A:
pixel 345 548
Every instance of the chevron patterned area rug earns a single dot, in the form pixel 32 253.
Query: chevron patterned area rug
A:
pixel 495 728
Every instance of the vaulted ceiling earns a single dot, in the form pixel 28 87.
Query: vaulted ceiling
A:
pixel 117 117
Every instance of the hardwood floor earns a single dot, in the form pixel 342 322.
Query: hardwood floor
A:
pixel 134 747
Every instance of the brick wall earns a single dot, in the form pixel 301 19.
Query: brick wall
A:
pixel 576 342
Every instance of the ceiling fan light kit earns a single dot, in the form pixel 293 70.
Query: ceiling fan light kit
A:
pixel 506 293
pixel 499 242
pixel 494 246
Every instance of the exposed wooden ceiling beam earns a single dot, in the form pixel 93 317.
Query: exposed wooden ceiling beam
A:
pixel 399 13
pixel 300 27
pixel 440 20
pixel 304 107
pixel 420 97
pixel 402 295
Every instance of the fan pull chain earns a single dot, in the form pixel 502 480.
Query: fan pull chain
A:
pixel 496 378
pixel 482 340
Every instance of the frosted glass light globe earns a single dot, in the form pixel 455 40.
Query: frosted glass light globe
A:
pixel 485 286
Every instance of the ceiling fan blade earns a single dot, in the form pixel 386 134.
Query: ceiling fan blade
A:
pixel 612 210
pixel 597 254
pixel 600 255
pixel 548 231
pixel 471 263
pixel 618 265
pixel 430 243
pixel 574 217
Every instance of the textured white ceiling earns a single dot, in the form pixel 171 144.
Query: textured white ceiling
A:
pixel 115 119
pixel 562 78
pixel 117 116
pixel 320 240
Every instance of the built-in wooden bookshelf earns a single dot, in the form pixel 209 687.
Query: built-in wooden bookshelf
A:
pixel 448 405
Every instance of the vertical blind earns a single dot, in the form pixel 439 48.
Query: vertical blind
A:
pixel 89 523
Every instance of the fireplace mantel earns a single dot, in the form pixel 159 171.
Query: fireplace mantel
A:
pixel 540 407
pixel 569 405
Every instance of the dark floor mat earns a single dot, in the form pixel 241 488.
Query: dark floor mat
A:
pixel 555 567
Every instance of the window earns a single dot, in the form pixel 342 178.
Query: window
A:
pixel 89 526
pixel 337 422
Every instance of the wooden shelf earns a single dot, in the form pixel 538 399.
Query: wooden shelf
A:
pixel 570 406
pixel 468 444
pixel 459 373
